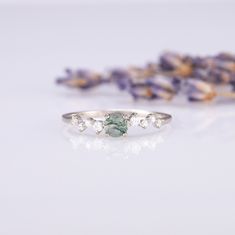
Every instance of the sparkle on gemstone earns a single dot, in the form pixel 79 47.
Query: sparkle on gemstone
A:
pixel 81 126
pixel 75 119
pixel 151 118
pixel 89 122
pixel 115 125
pixel 144 123
pixel 158 123
pixel 98 126
pixel 133 120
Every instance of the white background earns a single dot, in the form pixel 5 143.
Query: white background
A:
pixel 179 181
pixel 101 2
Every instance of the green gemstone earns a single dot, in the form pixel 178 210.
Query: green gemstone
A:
pixel 115 125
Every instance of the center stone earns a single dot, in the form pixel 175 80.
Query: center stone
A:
pixel 115 125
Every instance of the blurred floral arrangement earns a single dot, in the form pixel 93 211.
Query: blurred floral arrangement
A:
pixel 199 78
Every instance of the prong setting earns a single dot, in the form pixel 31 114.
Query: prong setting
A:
pixel 144 123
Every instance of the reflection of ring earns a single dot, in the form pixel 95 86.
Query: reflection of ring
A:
pixel 115 123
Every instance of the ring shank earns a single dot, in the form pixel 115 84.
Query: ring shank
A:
pixel 100 114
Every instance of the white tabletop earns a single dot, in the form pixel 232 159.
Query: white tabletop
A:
pixel 180 181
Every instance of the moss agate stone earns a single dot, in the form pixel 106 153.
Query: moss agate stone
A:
pixel 115 125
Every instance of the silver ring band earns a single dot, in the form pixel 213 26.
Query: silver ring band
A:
pixel 115 122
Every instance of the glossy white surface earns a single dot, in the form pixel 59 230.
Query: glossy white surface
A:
pixel 180 181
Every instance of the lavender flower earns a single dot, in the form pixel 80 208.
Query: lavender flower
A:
pixel 83 79
pixel 141 91
pixel 120 77
pixel 164 79
pixel 199 90
pixel 164 83
pixel 170 61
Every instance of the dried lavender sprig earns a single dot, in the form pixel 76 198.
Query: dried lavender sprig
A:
pixel 82 79
pixel 165 79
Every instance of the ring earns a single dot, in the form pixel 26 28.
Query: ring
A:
pixel 115 123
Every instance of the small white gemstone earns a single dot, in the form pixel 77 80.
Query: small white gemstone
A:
pixel 81 126
pixel 75 119
pixel 126 116
pixel 133 120
pixel 89 122
pixel 144 123
pixel 106 115
pixel 98 126
pixel 158 123
pixel 151 118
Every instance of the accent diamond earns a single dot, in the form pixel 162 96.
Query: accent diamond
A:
pixel 133 120
pixel 144 123
pixel 158 123
pixel 98 126
pixel 89 122
pixel 75 119
pixel 151 118
pixel 81 126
